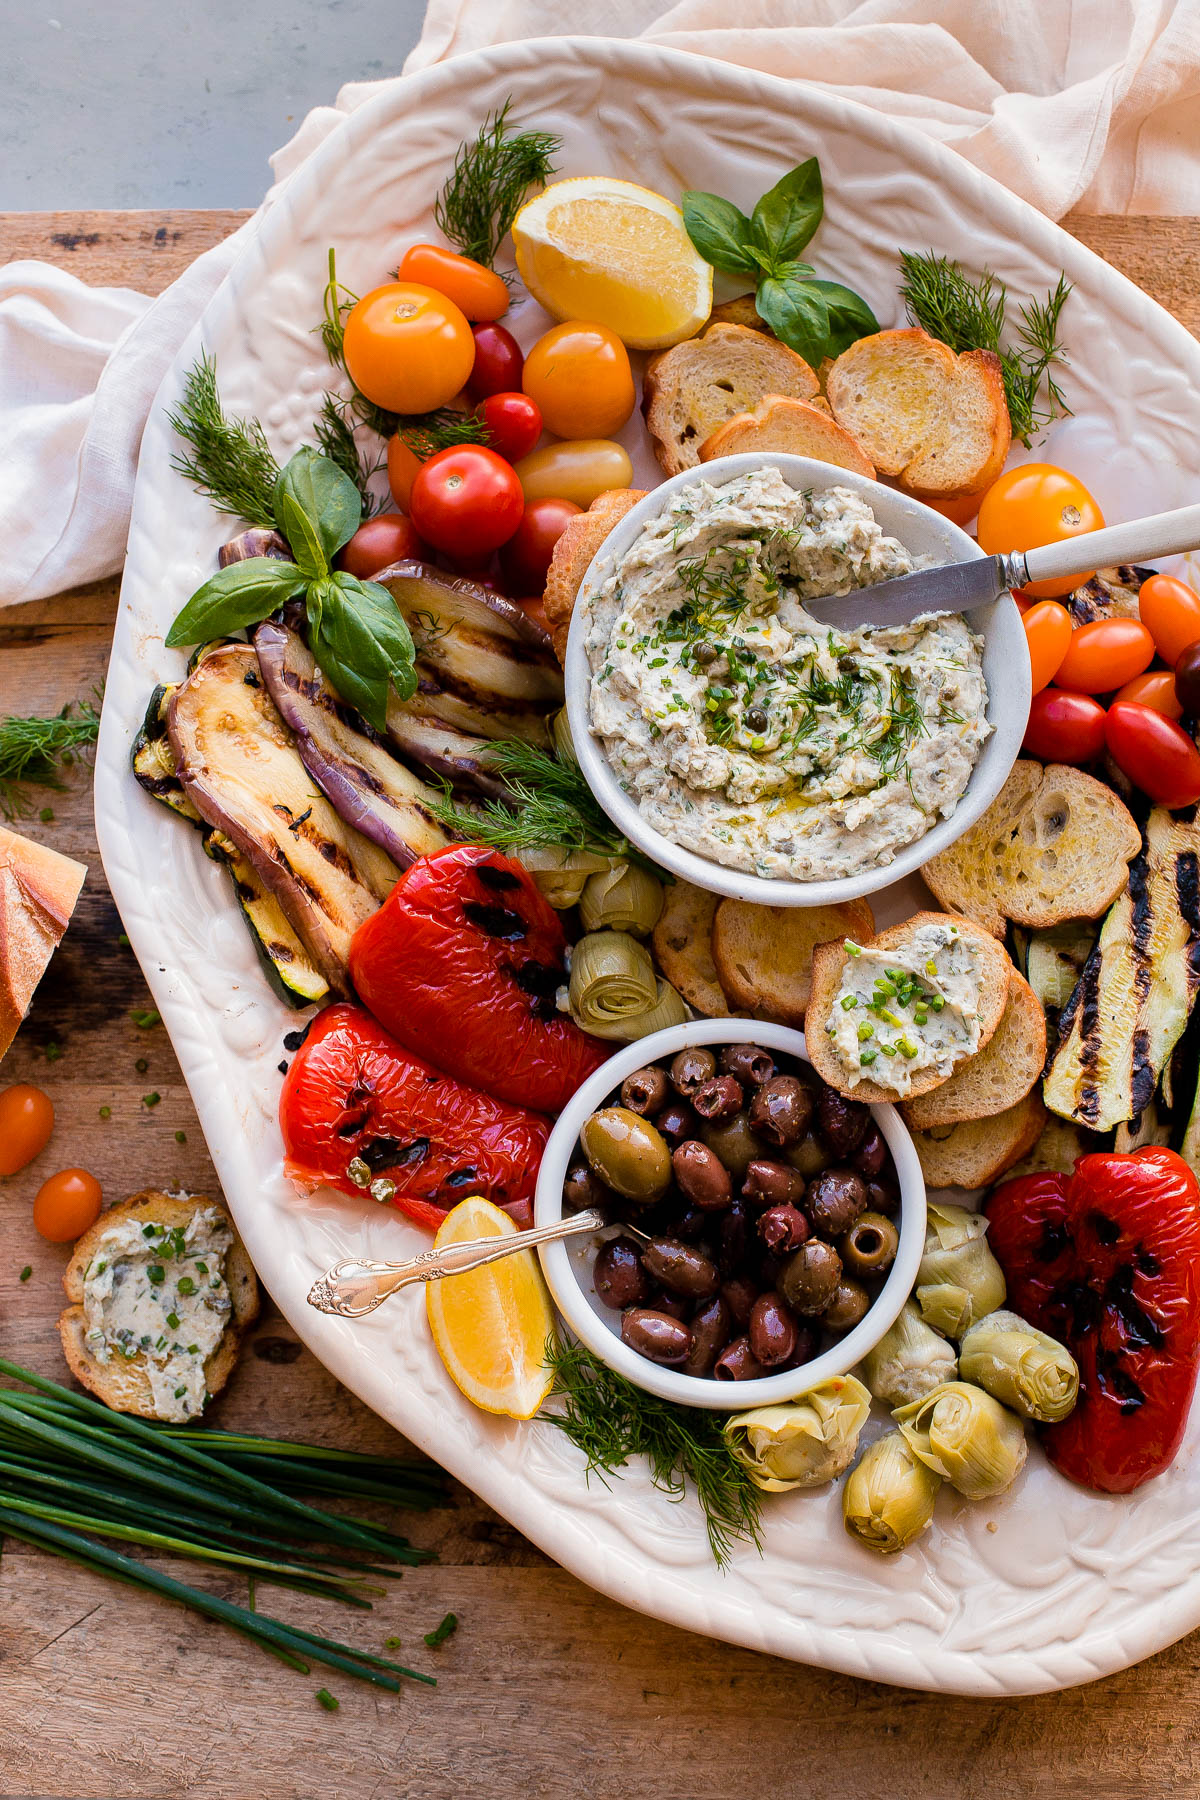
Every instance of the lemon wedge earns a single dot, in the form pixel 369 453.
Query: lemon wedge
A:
pixel 491 1324
pixel 596 248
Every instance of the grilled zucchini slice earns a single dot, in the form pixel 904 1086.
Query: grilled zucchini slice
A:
pixel 286 963
pixel 153 761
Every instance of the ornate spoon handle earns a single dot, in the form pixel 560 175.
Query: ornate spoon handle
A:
pixel 352 1289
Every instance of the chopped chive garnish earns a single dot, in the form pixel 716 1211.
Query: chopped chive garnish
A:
pixel 155 1273
pixel 141 1065
pixel 173 1320
pixel 440 1633
pixel 151 1099
pixel 53 1052
pixel 327 1700
pixel 180 1392
pixel 27 1271
pixel 186 1285
pixel 181 1137
pixel 849 1002
pixel 106 1112
pixel 147 1017
pixel 865 1032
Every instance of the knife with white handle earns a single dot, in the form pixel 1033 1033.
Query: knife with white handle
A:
pixel 957 587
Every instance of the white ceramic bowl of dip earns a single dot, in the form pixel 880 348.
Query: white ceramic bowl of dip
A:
pixel 567 1263
pixel 923 532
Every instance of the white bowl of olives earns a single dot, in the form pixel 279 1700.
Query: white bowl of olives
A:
pixel 764 1234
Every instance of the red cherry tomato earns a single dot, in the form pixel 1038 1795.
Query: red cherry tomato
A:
pixel 499 361
pixel 407 347
pixel 26 1121
pixel 1157 755
pixel 526 556
pixel 389 538
pixel 466 501
pixel 1037 504
pixel 1105 655
pixel 1064 728
pixel 67 1205
pixel 1155 689
pixel 514 422
pixel 1170 609
pixel 1048 637
pixel 476 290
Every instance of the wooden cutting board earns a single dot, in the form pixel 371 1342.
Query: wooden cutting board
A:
pixel 547 1689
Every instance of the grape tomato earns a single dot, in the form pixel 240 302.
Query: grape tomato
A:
pixel 1155 689
pixel 1064 728
pixel 526 556
pixel 1187 680
pixel 67 1205
pixel 478 292
pixel 498 363
pixel 1032 505
pixel 1157 755
pixel 1170 610
pixel 26 1121
pixel 514 424
pixel 579 374
pixel 1047 636
pixel 578 470
pixel 402 466
pixel 1105 655
pixel 389 538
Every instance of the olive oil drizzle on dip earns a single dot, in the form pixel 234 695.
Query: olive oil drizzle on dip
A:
pixel 899 1012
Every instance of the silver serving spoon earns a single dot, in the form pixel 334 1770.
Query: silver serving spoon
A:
pixel 352 1289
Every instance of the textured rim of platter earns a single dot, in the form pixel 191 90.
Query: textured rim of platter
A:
pixel 1049 1585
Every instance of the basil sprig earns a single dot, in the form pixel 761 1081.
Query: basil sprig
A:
pixel 355 630
pixel 813 317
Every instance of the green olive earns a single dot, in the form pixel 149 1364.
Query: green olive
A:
pixel 870 1245
pixel 848 1306
pixel 628 1153
pixel 809 1155
pixel 734 1142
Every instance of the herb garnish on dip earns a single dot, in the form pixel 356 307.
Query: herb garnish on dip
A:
pixel 903 1010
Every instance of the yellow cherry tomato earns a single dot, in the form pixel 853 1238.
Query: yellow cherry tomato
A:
pixel 577 471
pixel 67 1205
pixel 408 348
pixel 1033 505
pixel 26 1121
pixel 1048 637
pixel 1170 611
pixel 476 290
pixel 579 375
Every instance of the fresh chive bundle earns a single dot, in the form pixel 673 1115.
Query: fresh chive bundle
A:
pixel 72 1472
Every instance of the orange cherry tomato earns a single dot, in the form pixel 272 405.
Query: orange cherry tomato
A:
pixel 1155 689
pixel 26 1121
pixel 579 374
pixel 402 466
pixel 477 291
pixel 1105 655
pixel 67 1205
pixel 960 512
pixel 407 347
pixel 1170 610
pixel 1048 631
pixel 1037 504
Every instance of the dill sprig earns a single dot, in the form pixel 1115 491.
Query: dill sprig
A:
pixel 611 1421
pixel 33 750
pixel 334 433
pixel 970 313
pixel 230 459
pixel 339 300
pixel 427 433
pixel 488 183
pixel 552 805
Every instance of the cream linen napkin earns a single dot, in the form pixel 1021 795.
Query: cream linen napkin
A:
pixel 1088 103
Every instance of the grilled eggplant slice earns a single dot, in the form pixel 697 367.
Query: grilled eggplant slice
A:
pixel 243 773
pixel 474 718
pixel 1108 594
pixel 1138 986
pixel 449 754
pixel 370 788
pixel 475 643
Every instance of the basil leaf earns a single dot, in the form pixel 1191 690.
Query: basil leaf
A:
pixel 318 509
pixel 363 644
pixel 788 214
pixel 719 231
pixel 796 313
pixel 233 598
pixel 850 318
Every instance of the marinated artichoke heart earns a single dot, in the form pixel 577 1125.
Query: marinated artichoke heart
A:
pixel 562 875
pixel 1025 1368
pixel 889 1495
pixel 623 898
pixel 900 1012
pixel 909 1360
pixel 747 731
pixel 959 1280
pixel 614 991
pixel 805 1443
pixel 965 1436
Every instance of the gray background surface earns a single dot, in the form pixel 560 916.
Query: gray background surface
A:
pixel 174 102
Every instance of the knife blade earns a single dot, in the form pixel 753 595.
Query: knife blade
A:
pixel 951 588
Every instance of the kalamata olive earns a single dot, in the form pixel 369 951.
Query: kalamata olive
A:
pixel 772 1332
pixel 808 1338
pixel 739 1294
pixel 834 1200
pixel 782 1227
pixel 809 1156
pixel 656 1335
pixel 844 1122
pixel 871 1154
pixel 772 1184
pixel 748 1063
pixel 734 1143
pixel 701 1175
pixel 1187 680
pixel 687 1222
pixel 645 1091
pixel 883 1195
pixel 870 1245
pixel 627 1153
pixel 770 1268
pixel 677 1121
pixel 733 1234
pixel 691 1069
pixel 711 1323
pixel 583 1188
pixel 810 1277
pixel 718 1098
pixel 662 1300
pixel 737 1362
pixel 780 1110
pixel 681 1268
pixel 848 1305
pixel 617 1274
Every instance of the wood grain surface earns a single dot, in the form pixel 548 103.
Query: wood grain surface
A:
pixel 547 1689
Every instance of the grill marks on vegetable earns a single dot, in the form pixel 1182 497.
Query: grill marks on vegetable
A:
pixel 541 981
pixel 1083 1308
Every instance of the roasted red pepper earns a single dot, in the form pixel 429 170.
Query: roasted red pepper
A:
pixel 353 1096
pixel 461 963
pixel 1108 1261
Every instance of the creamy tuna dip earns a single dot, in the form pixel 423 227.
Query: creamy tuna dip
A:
pixel 900 1012
pixel 161 1291
pixel 745 730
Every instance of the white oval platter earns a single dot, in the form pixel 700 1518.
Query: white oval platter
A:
pixel 1046 1587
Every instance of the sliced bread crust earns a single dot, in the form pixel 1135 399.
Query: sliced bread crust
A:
pixel 791 428
pixel 998 1076
pixel 38 891
pixel 683 947
pixel 573 554
pixel 977 1152
pixel 764 954
pixel 690 390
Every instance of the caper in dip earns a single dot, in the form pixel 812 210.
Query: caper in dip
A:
pixel 899 1012
pixel 161 1291
pixel 751 734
